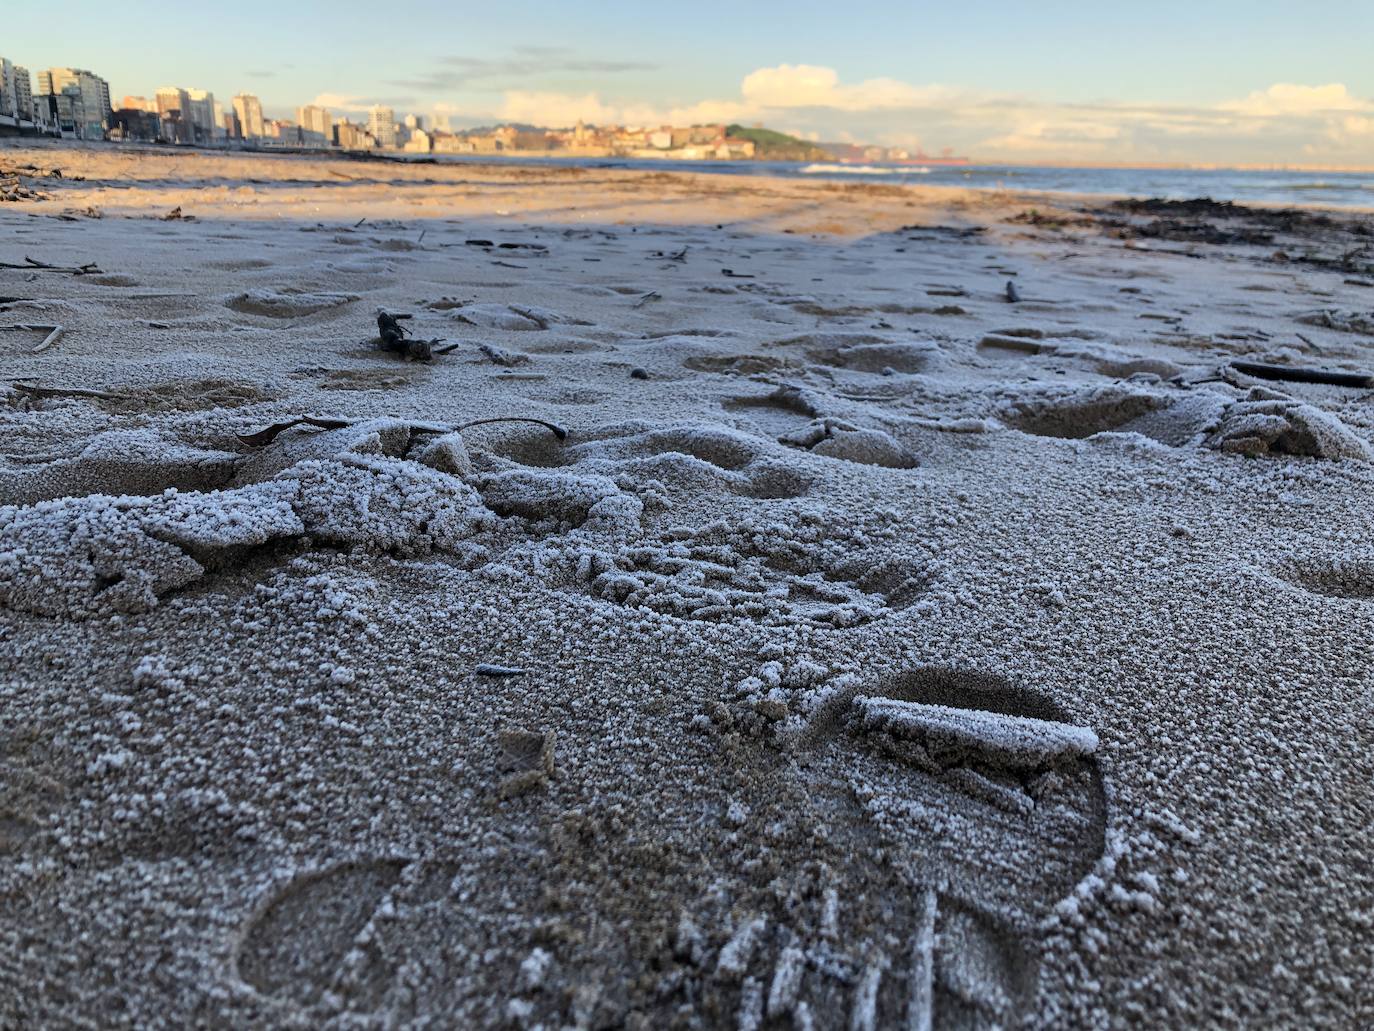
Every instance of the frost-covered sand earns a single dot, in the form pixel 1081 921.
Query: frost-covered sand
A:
pixel 886 649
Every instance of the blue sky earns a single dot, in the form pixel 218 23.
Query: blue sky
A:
pixel 1204 81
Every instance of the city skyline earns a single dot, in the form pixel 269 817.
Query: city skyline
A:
pixel 1239 84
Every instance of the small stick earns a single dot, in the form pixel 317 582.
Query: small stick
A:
pixel 40 266
pixel 554 428
pixel 48 340
pixel 921 1000
pixel 488 669
pixel 271 433
pixel 65 392
pixel 1260 370
pixel 54 334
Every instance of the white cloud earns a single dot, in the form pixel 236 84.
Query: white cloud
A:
pixel 555 109
pixel 1286 98
pixel 341 102
pixel 806 85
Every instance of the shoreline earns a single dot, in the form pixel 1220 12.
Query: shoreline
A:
pixel 450 167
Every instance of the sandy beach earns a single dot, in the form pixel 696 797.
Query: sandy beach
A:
pixel 913 607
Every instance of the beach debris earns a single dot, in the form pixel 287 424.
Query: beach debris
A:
pixel 12 188
pixel 54 334
pixel 489 669
pixel 652 295
pixel 33 390
pixel 1297 374
pixel 394 337
pixel 639 372
pixel 953 735
pixel 1013 295
pixel 175 215
pixel 30 265
pixel 265 436
pixel 678 255
pixel 732 274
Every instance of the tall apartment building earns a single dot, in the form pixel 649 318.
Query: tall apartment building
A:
pixel 16 92
pixel 315 124
pixel 204 123
pixel 94 94
pixel 249 111
pixel 9 107
pixel 381 126
pixel 174 108
pixel 352 137
pixel 23 92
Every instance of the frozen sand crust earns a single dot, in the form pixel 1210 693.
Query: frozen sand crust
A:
pixel 712 809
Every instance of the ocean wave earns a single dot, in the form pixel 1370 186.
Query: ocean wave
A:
pixel 862 170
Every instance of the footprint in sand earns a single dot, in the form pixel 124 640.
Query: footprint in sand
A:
pixel 989 807
pixel 27 801
pixel 286 304
pixel 782 411
pixel 706 456
pixel 737 575
pixel 1347 579
pixel 742 364
pixel 795 417
pixel 883 357
pixel 310 937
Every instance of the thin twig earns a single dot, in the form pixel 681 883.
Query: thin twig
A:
pixel 35 391
pixel 41 266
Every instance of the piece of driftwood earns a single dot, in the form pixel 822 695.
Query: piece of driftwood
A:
pixel 37 391
pixel 394 337
pixel 30 265
pixel 1296 374
pixel 54 335
pixel 265 436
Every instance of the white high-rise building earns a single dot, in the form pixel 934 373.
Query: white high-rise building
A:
pixel 381 124
pixel 202 115
pixel 249 110
pixel 174 108
pixel 315 123
pixel 9 101
pixel 95 96
pixel 23 92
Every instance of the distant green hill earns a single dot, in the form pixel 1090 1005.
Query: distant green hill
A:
pixel 777 146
